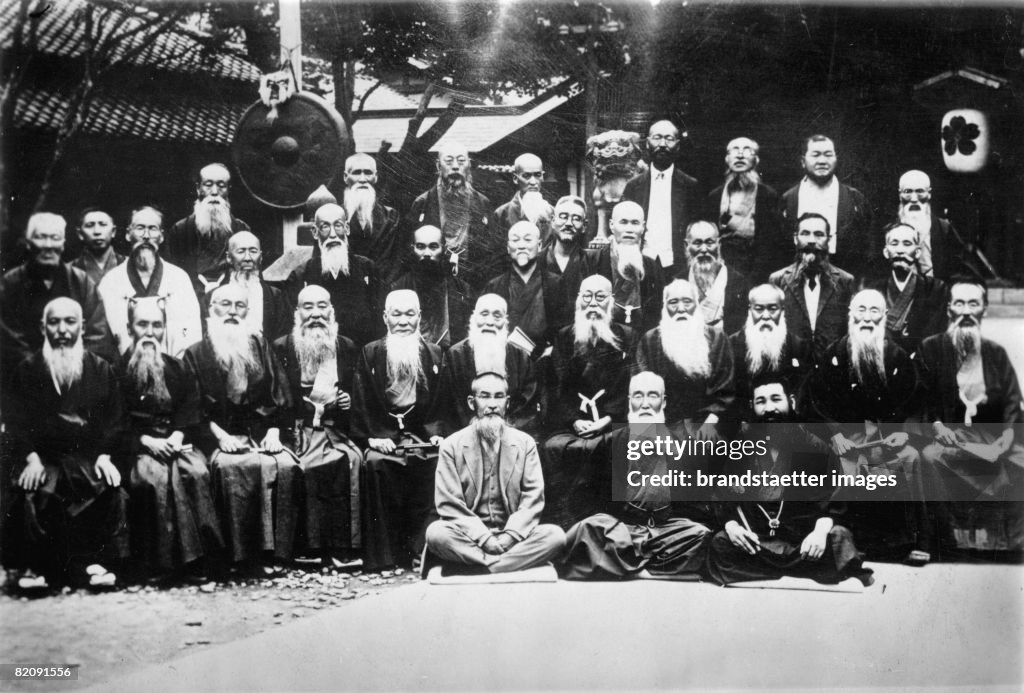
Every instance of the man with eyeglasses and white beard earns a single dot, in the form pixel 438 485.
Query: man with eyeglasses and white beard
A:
pixel 395 387
pixel 528 204
pixel 487 349
pixel 320 364
pixel 373 226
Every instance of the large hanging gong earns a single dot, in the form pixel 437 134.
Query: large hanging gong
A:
pixel 282 159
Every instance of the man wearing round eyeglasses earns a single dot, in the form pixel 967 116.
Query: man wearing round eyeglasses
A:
pixel 941 252
pixel 670 198
pixel 565 254
pixel 146 274
pixel 351 280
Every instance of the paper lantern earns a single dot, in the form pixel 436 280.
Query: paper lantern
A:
pixel 965 140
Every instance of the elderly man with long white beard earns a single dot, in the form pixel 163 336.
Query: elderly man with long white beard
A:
pixel 171 503
pixel 196 243
pixel 591 361
pixel 528 204
pixel 637 280
pixel 257 483
pixel 373 226
pixel 695 361
pixel 395 386
pixel 487 349
pixel 320 365
pixel 63 416
pixel 941 249
pixel 643 533
pixel 865 390
pixel 721 289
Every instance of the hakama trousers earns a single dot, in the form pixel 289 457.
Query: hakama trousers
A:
pixel 449 543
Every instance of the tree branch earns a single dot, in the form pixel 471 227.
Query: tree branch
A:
pixel 362 101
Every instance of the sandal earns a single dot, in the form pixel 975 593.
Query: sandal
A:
pixel 917 558
pixel 30 583
pixel 100 577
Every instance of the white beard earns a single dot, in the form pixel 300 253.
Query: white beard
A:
pixel 489 350
pixel 245 279
pixel 589 333
pixel 634 417
pixel 746 181
pixel 232 345
pixel 920 219
pixel 360 202
pixel 146 371
pixel 535 209
pixel 313 346
pixel 867 354
pixel 144 258
pixel 64 363
pixel 212 219
pixel 686 345
pixel 334 260
pixel 489 428
pixel 629 260
pixel 966 341
pixel 764 349
pixel 404 364
pixel 705 274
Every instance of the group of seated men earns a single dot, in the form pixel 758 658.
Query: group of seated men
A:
pixel 402 388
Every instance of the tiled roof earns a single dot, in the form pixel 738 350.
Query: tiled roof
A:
pixel 137 115
pixel 61 33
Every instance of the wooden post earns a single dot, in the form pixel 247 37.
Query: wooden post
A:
pixel 291 52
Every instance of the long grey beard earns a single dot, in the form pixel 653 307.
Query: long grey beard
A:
pixel 535 208
pixel 313 346
pixel 360 202
pixel 867 355
pixel 144 258
pixel 588 333
pixel 634 417
pixel 404 364
pixel 764 349
pixel 64 363
pixel 629 260
pixel 920 219
pixel 246 279
pixel 488 350
pixel 966 341
pixel 334 260
pixel 746 181
pixel 704 274
pixel 457 190
pixel 146 371
pixel 233 348
pixel 686 345
pixel 490 428
pixel 212 219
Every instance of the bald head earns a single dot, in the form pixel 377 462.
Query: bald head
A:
pixel 229 304
pixel 453 166
pixel 627 223
pixel 490 315
pixel 244 252
pixel 62 322
pixel 402 312
pixel 214 181
pixel 360 171
pixel 529 173
pixel 646 397
pixel 915 191
pixel 313 309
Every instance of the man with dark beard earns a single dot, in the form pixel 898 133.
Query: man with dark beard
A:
pixel 643 534
pixel 771 532
pixel 445 299
pixel 96 231
pixel 269 313
pixel 395 385
pixel 257 483
pixel 64 421
pixel 487 349
pixel 864 390
pixel 490 491
pixel 528 204
pixel 764 347
pixel 941 247
pixel 747 213
pixel 817 294
pixel 721 289
pixel 373 226
pixel 350 279
pixel 471 241
pixel 196 243
pixel 637 280
pixel 536 300
pixel 591 362
pixel 974 405
pixel 171 504
pixel 26 289
pixel 694 360
pixel 146 274
pixel 564 255
pixel 320 365
pixel 915 303
pixel 669 199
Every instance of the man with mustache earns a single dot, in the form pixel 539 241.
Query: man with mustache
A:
pixel 96 231
pixel 320 365
pixel 528 204
pixel 637 280
pixel 722 290
pixel 942 250
pixel 851 243
pixel 373 226
pixel 864 390
pixel 565 254
pixel 817 293
pixel 145 274
pixel 536 300
pixel 270 312
pixel 446 300
pixel 669 199
pixel 246 403
pixel 64 420
pixel 643 534
pixel 487 349
pixel 973 405
pixel 747 213
pixel 196 243
pixel 26 289
pixel 395 386
pixel 771 532
pixel 171 502
pixel 490 491
pixel 694 360
pixel 351 280
pixel 471 240
pixel 591 362
pixel 915 303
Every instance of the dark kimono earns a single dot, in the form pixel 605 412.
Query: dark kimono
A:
pixel 446 302
pixel 356 297
pixel 637 304
pixel 793 366
pixel 537 306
